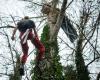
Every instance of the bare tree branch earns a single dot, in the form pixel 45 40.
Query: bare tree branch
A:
pixel 60 18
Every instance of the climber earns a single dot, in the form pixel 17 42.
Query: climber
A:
pixel 25 27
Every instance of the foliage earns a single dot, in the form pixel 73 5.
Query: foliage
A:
pixel 53 69
pixel 70 73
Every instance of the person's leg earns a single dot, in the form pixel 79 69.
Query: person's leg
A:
pixel 24 56
pixel 25 52
pixel 40 47
pixel 41 51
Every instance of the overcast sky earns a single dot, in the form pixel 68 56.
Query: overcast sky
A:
pixel 14 7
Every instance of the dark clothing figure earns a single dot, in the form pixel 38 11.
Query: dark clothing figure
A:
pixel 35 40
pixel 25 27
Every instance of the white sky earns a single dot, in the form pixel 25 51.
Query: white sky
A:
pixel 14 7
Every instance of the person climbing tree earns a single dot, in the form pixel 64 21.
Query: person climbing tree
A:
pixel 25 27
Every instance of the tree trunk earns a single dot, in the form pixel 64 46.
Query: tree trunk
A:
pixel 50 69
pixel 82 72
pixel 53 69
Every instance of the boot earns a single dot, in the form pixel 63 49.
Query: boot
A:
pixel 21 70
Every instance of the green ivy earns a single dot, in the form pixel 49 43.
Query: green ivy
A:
pixel 55 71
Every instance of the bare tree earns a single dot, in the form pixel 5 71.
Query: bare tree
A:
pixel 86 15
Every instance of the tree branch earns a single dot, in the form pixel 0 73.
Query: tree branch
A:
pixel 92 61
pixel 60 18
pixel 8 26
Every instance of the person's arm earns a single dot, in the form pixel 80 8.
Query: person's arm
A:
pixel 13 34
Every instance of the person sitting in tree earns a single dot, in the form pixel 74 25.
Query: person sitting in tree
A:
pixel 25 27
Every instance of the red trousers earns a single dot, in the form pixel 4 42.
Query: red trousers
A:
pixel 35 41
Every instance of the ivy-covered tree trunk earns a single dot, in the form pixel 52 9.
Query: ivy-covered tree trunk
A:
pixel 52 68
pixel 82 72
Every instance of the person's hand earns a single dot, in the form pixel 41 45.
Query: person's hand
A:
pixel 13 38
